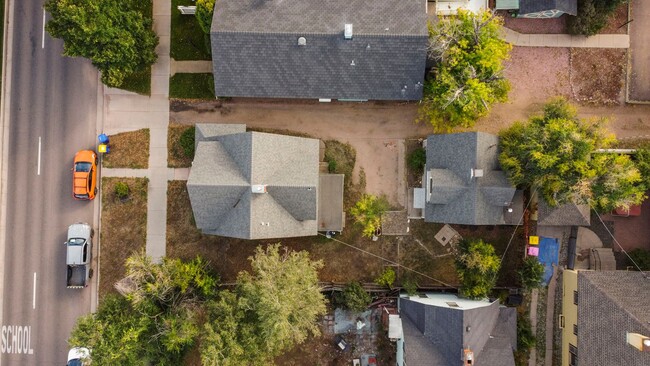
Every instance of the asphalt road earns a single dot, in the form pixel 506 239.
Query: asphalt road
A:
pixel 52 107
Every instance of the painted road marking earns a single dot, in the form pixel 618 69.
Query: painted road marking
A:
pixel 34 293
pixel 17 339
pixel 39 156
pixel 43 39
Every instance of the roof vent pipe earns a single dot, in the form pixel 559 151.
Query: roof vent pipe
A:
pixel 302 41
pixel 258 188
pixel 348 31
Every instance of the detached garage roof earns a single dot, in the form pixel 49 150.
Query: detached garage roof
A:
pixel 336 49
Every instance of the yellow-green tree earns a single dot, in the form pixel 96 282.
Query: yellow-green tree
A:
pixel 477 266
pixel 367 212
pixel 468 78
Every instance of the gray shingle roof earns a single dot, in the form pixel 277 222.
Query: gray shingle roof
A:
pixel 255 49
pixel 534 6
pixel 457 198
pixel 226 167
pixel 563 215
pixel 436 335
pixel 610 304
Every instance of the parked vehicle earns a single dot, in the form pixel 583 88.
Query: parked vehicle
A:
pixel 84 175
pixel 79 248
pixel 78 356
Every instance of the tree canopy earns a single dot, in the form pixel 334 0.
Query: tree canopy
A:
pixel 477 266
pixel 204 11
pixel 468 78
pixel 367 212
pixel 113 34
pixel 556 154
pixel 164 309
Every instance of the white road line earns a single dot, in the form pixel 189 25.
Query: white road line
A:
pixel 34 293
pixel 39 155
pixel 43 39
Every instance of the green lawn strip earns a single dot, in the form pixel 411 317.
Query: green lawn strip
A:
pixel 191 86
pixel 188 42
pixel 140 82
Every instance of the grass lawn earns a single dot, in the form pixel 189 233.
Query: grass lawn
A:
pixel 124 229
pixel 140 82
pixel 191 86
pixel 188 42
pixel 128 150
pixel 176 157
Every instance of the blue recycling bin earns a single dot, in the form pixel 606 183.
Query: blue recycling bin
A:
pixel 103 139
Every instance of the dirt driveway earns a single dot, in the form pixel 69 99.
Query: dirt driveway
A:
pixel 639 88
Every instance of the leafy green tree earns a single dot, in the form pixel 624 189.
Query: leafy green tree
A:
pixel 531 273
pixel 112 34
pixel 367 212
pixel 468 79
pixel 417 160
pixel 642 162
pixel 115 333
pixel 477 266
pixel 386 278
pixel 592 16
pixel 641 257
pixel 275 307
pixel 555 154
pixel 204 11
pixel 354 297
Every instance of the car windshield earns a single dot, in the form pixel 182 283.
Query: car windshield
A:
pixel 75 362
pixel 81 196
pixel 76 241
pixel 82 167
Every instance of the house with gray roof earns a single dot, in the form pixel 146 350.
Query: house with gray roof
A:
pixel 312 49
pixel 463 182
pixel 439 328
pixel 254 185
pixel 605 318
pixel 568 214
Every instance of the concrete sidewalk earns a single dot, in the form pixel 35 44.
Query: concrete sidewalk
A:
pixel 125 111
pixel 567 40
pixel 190 67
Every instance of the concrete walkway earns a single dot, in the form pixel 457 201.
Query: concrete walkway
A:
pixel 125 111
pixel 196 67
pixel 567 40
pixel 532 359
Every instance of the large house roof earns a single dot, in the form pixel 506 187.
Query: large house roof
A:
pixel 435 332
pixel 229 169
pixel 452 194
pixel 256 52
pixel 611 304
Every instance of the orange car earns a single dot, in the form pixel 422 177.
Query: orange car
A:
pixel 84 175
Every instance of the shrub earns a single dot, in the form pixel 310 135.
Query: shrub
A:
pixel 354 297
pixel 525 337
pixel 417 159
pixel 531 273
pixel 204 10
pixel 386 278
pixel 121 190
pixel 641 257
pixel 187 142
pixel 592 16
pixel 331 166
pixel 410 285
pixel 477 266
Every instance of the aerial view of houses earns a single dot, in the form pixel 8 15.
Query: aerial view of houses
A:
pixel 331 182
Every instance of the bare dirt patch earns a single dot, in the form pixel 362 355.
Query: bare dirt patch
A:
pixel 128 150
pixel 616 23
pixel 598 75
pixel 124 228
pixel 535 26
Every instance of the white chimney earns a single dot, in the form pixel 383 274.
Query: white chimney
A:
pixel 258 188
pixel 476 173
pixel 348 31
pixel 638 341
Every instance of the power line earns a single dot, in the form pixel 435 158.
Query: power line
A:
pixel 517 226
pixel 390 261
pixel 617 243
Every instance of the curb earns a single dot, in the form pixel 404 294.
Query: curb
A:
pixel 4 136
pixel 97 208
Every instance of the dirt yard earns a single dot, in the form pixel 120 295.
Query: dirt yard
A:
pixel 598 75
pixel 128 150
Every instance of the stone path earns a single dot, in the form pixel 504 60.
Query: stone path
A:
pixel 567 40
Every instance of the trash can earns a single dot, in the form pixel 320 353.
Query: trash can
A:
pixel 103 139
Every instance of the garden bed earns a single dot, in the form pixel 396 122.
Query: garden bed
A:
pixel 128 150
pixel 176 156
pixel 123 228
pixel 598 75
